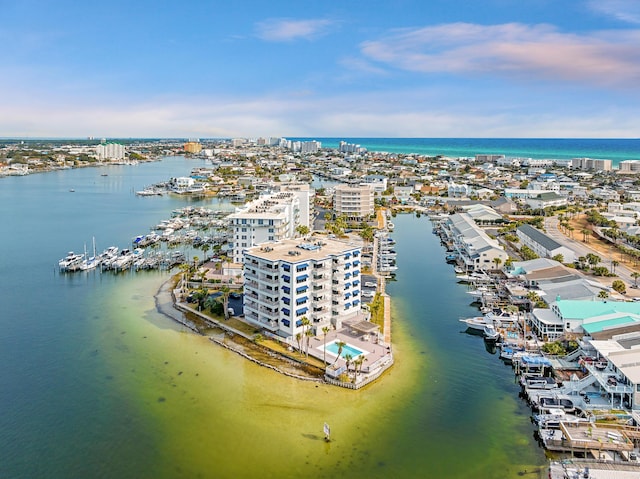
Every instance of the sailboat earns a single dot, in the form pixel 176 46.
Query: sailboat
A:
pixel 90 262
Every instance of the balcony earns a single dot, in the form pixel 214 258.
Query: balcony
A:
pixel 272 281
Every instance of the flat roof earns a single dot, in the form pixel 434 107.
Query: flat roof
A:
pixel 296 250
pixel 575 309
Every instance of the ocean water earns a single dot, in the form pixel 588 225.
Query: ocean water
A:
pixel 96 383
pixel 550 148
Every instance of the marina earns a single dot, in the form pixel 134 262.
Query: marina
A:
pixel 147 370
pixel 131 357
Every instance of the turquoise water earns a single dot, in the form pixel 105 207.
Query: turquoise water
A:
pixel 346 349
pixel 615 150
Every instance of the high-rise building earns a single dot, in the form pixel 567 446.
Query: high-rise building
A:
pixel 591 164
pixel 268 219
pixel 110 151
pixel 356 202
pixel 192 147
pixel 287 281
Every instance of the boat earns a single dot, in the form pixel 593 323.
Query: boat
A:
pixel 491 333
pixel 72 190
pixel 477 323
pixel 390 226
pixel 71 262
pixel 546 403
pixel 89 263
pixel 472 277
pixel 481 292
pixel 538 382
pixel 503 318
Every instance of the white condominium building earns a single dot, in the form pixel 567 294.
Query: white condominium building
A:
pixel 591 164
pixel 305 194
pixel 268 219
pixel 355 202
pixel 287 281
pixel 630 166
pixel 110 151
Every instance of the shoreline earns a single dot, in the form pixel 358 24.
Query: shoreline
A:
pixel 167 305
pixel 246 346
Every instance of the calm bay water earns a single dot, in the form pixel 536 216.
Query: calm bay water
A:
pixel 95 383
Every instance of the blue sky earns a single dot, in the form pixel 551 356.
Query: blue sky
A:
pixel 402 68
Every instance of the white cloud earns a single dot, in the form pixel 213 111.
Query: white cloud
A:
pixel 623 10
pixel 285 30
pixel 513 50
pixel 385 114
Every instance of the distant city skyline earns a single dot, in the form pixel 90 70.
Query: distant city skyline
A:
pixel 408 68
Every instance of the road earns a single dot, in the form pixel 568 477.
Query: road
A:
pixel 582 249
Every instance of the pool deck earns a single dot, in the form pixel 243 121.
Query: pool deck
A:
pixel 374 352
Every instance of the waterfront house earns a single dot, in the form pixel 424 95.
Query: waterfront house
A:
pixel 476 250
pixel 594 318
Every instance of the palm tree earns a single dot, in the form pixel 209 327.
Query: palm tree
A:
pixel 225 300
pixel 302 230
pixel 347 359
pixel 195 262
pixel 614 263
pixel 325 331
pixel 585 233
pixel 205 248
pixel 309 334
pixel 497 261
pixel 298 339
pixel 593 259
pixel 304 321
pixel 635 275
pixel 184 267
pixel 603 294
pixel 340 344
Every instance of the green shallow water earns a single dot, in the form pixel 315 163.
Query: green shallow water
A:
pixel 97 383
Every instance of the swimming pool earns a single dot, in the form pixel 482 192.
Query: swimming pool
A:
pixel 347 349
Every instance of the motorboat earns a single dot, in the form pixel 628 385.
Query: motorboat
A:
pixel 491 333
pixel 71 262
pixel 477 323
pixel 538 382
pixel 481 292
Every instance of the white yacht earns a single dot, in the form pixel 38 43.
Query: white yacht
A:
pixel 71 262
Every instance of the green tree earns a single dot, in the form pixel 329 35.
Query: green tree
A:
pixel 559 258
pixel 340 344
pixel 347 359
pixel 593 259
pixel 497 262
pixel 603 294
pixel 309 334
pixel 614 263
pixel 619 286
pixel 299 339
pixel 225 300
pixel 302 230
pixel 325 331
pixel 304 321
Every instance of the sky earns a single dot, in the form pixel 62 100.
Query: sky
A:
pixel 307 68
